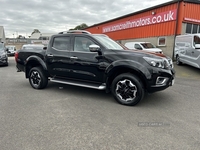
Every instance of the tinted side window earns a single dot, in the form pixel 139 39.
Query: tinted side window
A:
pixel 137 46
pixel 82 44
pixel 61 43
pixel 196 40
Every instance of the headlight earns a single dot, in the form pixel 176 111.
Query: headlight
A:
pixel 158 62
pixel 3 55
pixel 170 62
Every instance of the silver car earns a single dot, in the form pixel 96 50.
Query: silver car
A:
pixel 3 55
pixel 11 50
pixel 187 50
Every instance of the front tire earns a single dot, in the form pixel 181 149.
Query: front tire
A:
pixel 37 78
pixel 6 64
pixel 127 89
pixel 178 62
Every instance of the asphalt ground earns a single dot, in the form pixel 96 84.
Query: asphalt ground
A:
pixel 186 71
pixel 63 117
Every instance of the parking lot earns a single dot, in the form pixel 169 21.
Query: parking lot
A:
pixel 63 117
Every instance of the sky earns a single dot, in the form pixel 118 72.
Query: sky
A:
pixel 21 17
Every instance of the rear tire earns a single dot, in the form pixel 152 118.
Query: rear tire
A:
pixel 37 78
pixel 127 89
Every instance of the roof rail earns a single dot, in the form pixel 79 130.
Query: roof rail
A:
pixel 74 31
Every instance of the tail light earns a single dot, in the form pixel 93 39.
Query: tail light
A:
pixel 16 56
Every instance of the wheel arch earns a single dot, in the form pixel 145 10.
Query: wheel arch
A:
pixel 137 69
pixel 34 61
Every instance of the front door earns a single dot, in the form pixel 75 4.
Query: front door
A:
pixel 86 65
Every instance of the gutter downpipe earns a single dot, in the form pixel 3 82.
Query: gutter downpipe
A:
pixel 176 28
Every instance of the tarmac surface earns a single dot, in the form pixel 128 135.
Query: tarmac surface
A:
pixel 63 117
pixel 186 71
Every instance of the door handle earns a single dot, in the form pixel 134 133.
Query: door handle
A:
pixel 73 57
pixel 49 55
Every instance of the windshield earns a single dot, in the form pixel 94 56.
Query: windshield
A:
pixel 148 45
pixel 10 47
pixel 107 42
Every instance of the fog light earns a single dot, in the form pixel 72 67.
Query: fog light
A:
pixel 161 80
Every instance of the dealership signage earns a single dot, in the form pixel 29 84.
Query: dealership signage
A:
pixel 192 20
pixel 148 20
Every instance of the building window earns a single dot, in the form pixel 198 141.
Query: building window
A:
pixel 199 29
pixel 162 41
pixel 194 30
pixel 188 28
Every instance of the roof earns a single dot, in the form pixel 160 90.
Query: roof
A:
pixel 32 46
pixel 148 9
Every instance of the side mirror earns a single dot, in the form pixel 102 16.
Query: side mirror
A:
pixel 45 48
pixel 197 46
pixel 95 48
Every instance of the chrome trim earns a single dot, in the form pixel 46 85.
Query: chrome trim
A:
pixel 162 79
pixel 100 87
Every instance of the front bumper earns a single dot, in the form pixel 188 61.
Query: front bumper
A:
pixel 11 53
pixel 160 80
pixel 3 61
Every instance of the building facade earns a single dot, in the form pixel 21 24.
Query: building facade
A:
pixel 36 38
pixel 159 24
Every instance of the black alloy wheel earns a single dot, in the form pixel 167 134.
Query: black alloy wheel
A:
pixel 37 78
pixel 127 89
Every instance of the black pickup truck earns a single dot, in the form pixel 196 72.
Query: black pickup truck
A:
pixel 95 61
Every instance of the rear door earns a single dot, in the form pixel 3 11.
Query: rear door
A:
pixel 58 56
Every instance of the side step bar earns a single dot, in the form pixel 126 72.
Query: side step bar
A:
pixel 79 83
